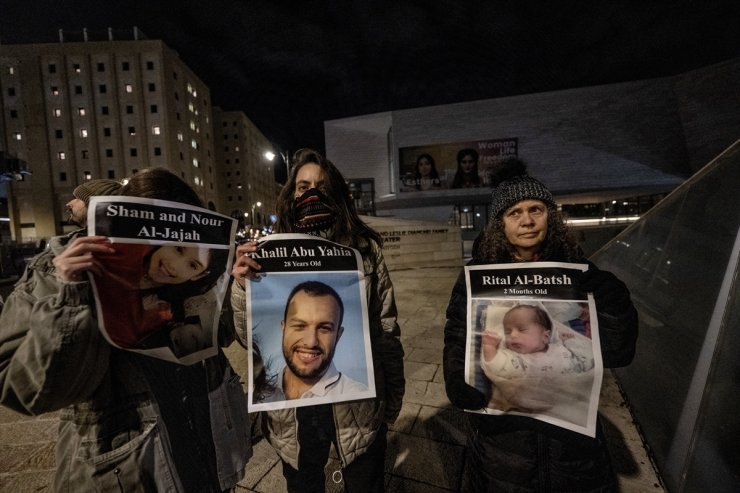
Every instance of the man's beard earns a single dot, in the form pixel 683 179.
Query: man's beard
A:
pixel 312 375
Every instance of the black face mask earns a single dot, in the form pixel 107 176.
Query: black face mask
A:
pixel 313 212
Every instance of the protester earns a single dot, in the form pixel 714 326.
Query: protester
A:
pixel 129 422
pixel 316 200
pixel 519 453
pixel 77 207
pixel 311 329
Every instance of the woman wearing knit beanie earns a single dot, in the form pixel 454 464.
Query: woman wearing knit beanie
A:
pixel 519 453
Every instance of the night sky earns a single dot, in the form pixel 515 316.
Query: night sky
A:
pixel 291 65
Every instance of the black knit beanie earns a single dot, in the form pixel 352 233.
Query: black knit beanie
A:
pixel 96 187
pixel 512 184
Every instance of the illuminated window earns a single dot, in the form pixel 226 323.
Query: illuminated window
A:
pixel 156 130
pixel 196 163
pixel 179 136
pixel 17 136
pixel 193 144
pixel 132 130
pixel 76 67
pixel 81 111
pixel 87 174
pixel 11 70
pixel 54 91
pixel 129 88
pixel 83 133
pixel 57 112
pixel 61 155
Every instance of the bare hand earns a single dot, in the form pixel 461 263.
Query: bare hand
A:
pixel 79 258
pixel 489 342
pixel 245 266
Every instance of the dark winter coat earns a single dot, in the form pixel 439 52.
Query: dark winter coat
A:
pixel 518 453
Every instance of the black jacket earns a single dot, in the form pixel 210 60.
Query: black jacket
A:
pixel 517 453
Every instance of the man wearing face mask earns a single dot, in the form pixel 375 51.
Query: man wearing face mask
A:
pixel 317 201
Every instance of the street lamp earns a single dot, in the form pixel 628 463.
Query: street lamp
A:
pixel 256 204
pixel 270 156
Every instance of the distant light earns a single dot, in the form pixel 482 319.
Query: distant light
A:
pixel 269 155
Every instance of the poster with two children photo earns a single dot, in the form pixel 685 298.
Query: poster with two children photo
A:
pixel 533 343
pixel 161 290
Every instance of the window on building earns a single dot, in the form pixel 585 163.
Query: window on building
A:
pixel 13 114
pixel 111 174
pixel 150 65
pixel 128 88
pixel 236 136
pixel 236 148
pixel 106 132
pixel 58 134
pixel 194 144
pixel 229 198
pixel 78 89
pixel 52 68
pixel 156 130
pixel 236 160
pixel 228 173
pixel 109 153
pixel 83 133
pixel 104 110
pixel 11 91
pixel 132 130
pixel 133 152
pixel 62 176
pixel 195 162
pixel 177 115
pixel 129 109
pixel 157 151
pixel 87 175
pixel 54 91
pixel 177 96
pixel 174 75
pixel 228 185
pixel 179 136
pixel 81 111
pixel 101 67
pixel 182 157
pixel 238 173
pixel 76 67
pixel 11 70
pixel 85 154
pixel 125 66
pixel 61 155
pixel 151 87
pixel 102 88
pixel 228 161
pixel 17 136
pixel 153 108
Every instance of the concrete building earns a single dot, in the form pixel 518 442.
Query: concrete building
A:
pixel 604 151
pixel 74 111
pixel 246 178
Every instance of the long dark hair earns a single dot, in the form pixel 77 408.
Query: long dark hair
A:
pixel 559 244
pixel 459 180
pixel 434 174
pixel 348 229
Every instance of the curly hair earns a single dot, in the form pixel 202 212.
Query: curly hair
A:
pixel 348 229
pixel 559 243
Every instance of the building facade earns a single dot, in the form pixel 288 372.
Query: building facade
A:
pixel 604 149
pixel 246 178
pixel 74 111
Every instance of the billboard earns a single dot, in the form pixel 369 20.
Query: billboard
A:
pixel 452 166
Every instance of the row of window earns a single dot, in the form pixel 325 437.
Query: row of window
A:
pixel 133 152
pixel 102 89
pixel 100 66
pixel 59 134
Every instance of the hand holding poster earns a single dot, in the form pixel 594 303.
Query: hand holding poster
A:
pixel 533 343
pixel 307 324
pixel 161 290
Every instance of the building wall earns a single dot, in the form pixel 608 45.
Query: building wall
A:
pixel 98 110
pixel 628 136
pixel 246 177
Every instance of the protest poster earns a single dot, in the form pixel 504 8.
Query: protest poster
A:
pixel 160 292
pixel 307 324
pixel 533 343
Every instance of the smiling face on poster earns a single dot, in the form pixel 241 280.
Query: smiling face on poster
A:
pixel 309 327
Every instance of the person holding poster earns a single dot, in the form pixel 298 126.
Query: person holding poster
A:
pixel 130 422
pixel 317 201
pixel 515 452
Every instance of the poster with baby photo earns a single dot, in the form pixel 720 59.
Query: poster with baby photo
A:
pixel 307 325
pixel 160 287
pixel 533 343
